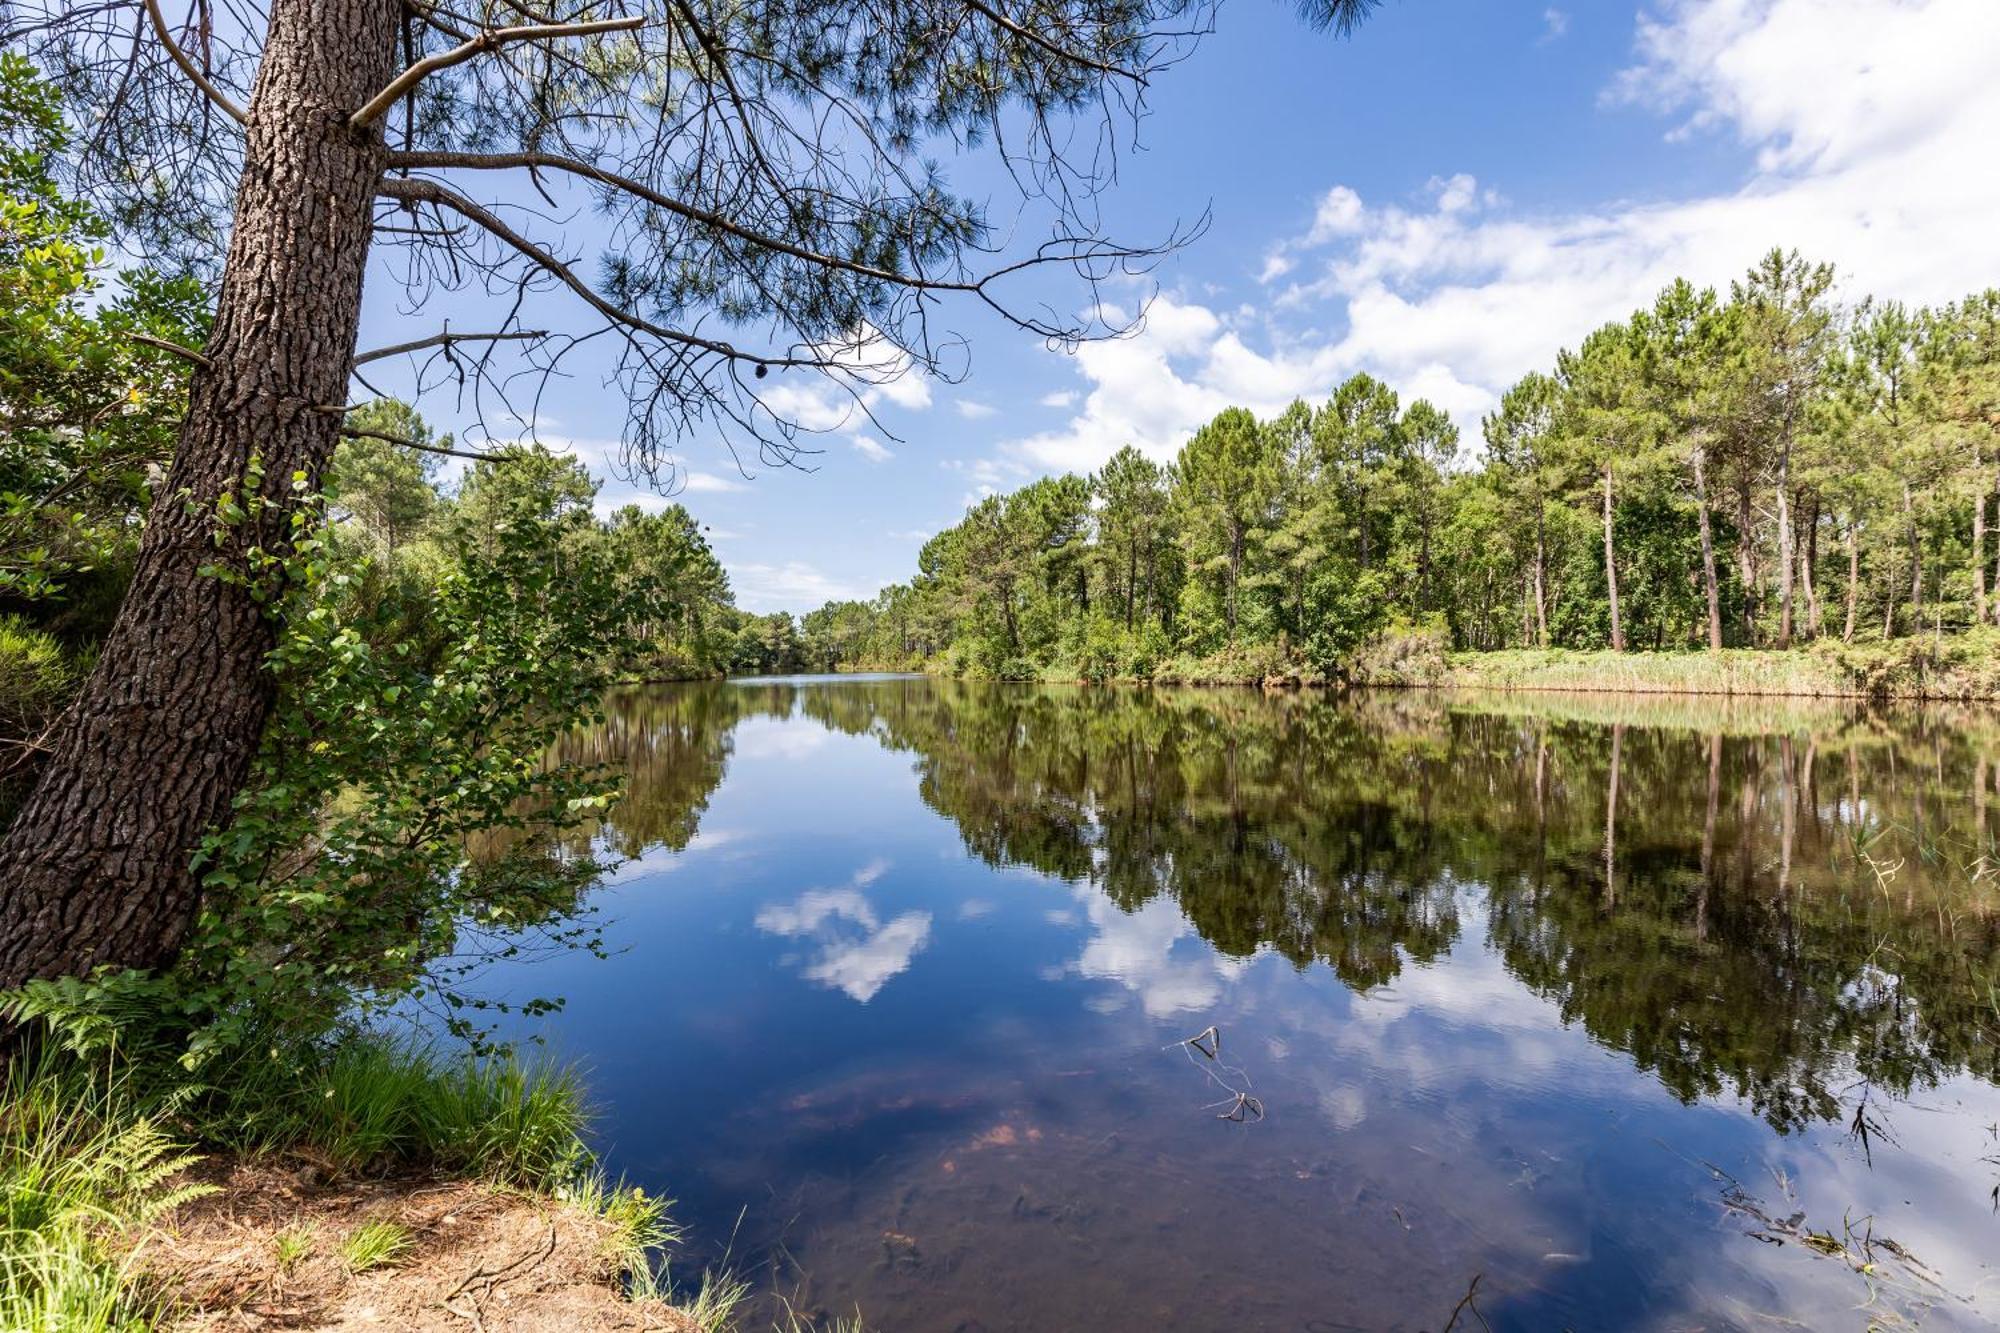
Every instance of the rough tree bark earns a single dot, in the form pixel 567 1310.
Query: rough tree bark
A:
pixel 1746 563
pixel 1787 547
pixel 1611 567
pixel 1541 577
pixel 1916 561
pixel 1978 542
pixel 1708 582
pixel 95 869
pixel 1853 578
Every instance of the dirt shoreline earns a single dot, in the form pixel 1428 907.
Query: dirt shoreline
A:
pixel 265 1251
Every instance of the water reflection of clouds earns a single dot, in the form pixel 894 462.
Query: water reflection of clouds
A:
pixel 1463 1059
pixel 1137 950
pixel 855 952
pixel 759 738
pixel 661 860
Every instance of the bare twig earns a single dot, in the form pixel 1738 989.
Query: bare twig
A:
pixel 357 433
pixel 187 354
pixel 379 104
pixel 1465 1304
pixel 487 1279
pixel 424 191
pixel 1239 1106
pixel 1027 34
pixel 189 68
pixel 446 339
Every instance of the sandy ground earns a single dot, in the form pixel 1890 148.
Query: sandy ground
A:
pixel 482 1259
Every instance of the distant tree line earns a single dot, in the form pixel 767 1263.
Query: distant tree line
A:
pixel 1756 468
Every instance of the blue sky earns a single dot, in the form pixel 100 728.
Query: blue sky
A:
pixel 1442 200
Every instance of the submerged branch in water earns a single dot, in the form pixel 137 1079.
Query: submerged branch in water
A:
pixel 1241 1106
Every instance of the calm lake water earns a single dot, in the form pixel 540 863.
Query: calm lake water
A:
pixel 1644 1013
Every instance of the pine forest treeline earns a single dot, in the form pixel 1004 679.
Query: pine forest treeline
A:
pixel 1753 468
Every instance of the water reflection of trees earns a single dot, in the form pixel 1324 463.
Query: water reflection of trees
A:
pixel 1694 882
pixel 671 746
pixel 1694 887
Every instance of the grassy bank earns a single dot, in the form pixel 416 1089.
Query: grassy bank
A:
pixel 356 1175
pixel 1961 667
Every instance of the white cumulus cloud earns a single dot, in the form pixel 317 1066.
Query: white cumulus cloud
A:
pixel 764 588
pixel 709 483
pixel 1868 126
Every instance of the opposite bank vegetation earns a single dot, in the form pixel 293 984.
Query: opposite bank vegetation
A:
pixel 1762 468
pixel 1962 667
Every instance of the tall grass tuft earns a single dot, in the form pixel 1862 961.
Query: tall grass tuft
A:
pixel 377 1243
pixel 82 1175
pixel 368 1103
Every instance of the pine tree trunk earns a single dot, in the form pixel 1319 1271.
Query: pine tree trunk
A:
pixel 1916 561
pixel 1611 568
pixel 1853 578
pixel 1424 562
pixel 1131 582
pixel 1787 548
pixel 1708 583
pixel 1996 563
pixel 1808 559
pixel 1979 551
pixel 1235 568
pixel 1746 563
pixel 1541 577
pixel 95 869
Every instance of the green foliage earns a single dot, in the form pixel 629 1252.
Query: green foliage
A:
pixel 766 646
pixel 87 411
pixel 344 875
pixel 1741 471
pixel 666 567
pixel 37 677
pixel 383 486
pixel 365 1103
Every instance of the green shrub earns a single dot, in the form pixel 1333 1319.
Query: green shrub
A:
pixel 37 677
pixel 1402 654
